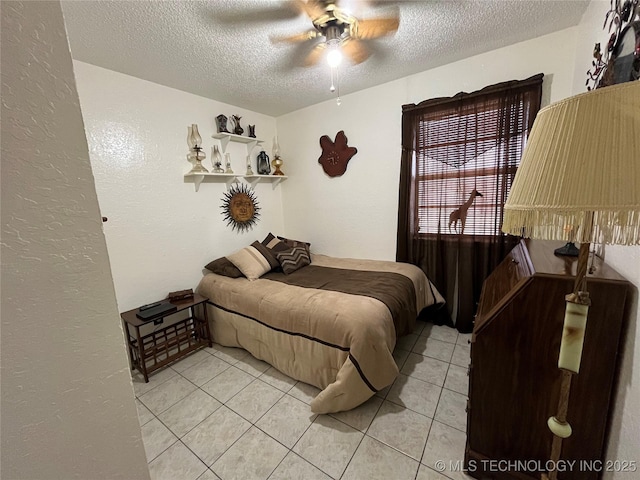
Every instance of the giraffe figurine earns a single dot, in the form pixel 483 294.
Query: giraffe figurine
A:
pixel 460 213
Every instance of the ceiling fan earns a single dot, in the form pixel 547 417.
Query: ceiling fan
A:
pixel 341 33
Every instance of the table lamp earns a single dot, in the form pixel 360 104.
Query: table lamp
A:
pixel 579 173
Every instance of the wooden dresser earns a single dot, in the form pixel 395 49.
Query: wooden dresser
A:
pixel 514 381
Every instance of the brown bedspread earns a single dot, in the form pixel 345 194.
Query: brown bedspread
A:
pixel 396 291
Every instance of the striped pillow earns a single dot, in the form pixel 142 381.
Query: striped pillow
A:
pixel 250 262
pixel 266 253
pixel 293 259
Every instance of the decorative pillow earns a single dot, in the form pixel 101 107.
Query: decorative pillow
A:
pixel 250 262
pixel 274 243
pixel 267 253
pixel 222 266
pixel 296 243
pixel 293 259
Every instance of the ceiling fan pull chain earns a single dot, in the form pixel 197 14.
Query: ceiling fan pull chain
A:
pixel 332 88
pixel 338 101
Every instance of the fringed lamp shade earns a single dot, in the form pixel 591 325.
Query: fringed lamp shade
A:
pixel 579 177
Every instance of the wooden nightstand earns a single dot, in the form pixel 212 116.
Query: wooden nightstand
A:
pixel 153 350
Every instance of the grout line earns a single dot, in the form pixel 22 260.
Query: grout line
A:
pixel 353 455
pixel 397 449
pixel 168 447
pixel 232 444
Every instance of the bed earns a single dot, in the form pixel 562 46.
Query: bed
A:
pixel 332 324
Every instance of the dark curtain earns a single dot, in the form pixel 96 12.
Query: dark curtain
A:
pixel 451 146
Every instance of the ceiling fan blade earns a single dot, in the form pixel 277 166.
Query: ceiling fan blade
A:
pixel 312 8
pixel 355 50
pixel 297 38
pixel 314 55
pixel 376 27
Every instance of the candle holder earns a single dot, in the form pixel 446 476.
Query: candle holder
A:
pixel 249 170
pixel 216 160
pixel 196 155
pixel 277 161
pixel 227 157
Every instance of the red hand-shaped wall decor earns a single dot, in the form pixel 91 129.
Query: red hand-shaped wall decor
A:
pixel 335 155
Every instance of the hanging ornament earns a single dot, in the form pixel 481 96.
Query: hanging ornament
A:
pixel 240 207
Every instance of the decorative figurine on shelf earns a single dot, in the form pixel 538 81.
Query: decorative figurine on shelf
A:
pixel 237 129
pixel 252 131
pixel 249 170
pixel 221 123
pixel 263 163
pixel 227 157
pixel 277 161
pixel 196 154
pixel 216 160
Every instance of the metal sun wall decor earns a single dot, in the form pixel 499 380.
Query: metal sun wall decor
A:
pixel 621 61
pixel 240 207
pixel 335 155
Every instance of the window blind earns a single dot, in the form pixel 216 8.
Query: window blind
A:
pixel 471 145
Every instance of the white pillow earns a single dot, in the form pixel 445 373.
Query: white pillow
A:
pixel 250 262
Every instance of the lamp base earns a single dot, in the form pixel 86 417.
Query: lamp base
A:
pixel 569 250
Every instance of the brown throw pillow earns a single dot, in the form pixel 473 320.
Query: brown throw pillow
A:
pixel 293 259
pixel 274 243
pixel 222 266
pixel 296 243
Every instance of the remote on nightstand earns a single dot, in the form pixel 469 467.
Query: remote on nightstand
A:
pixel 148 306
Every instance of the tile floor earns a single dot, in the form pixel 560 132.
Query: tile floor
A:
pixel 222 414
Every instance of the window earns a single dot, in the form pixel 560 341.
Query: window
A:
pixel 467 146
pixel 451 147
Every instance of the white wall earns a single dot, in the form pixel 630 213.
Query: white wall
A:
pixel 68 409
pixel 356 215
pixel 625 428
pixel 160 232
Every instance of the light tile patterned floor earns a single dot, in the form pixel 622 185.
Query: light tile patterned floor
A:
pixel 222 414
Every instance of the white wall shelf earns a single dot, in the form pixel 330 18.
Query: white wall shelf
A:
pixel 253 180
pixel 225 138
pixel 229 178
pixel 198 178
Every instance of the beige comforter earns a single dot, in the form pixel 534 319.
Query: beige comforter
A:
pixel 338 342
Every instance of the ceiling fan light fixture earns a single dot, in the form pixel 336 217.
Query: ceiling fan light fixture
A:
pixel 334 55
pixel 343 35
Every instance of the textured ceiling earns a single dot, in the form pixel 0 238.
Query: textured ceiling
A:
pixel 220 49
